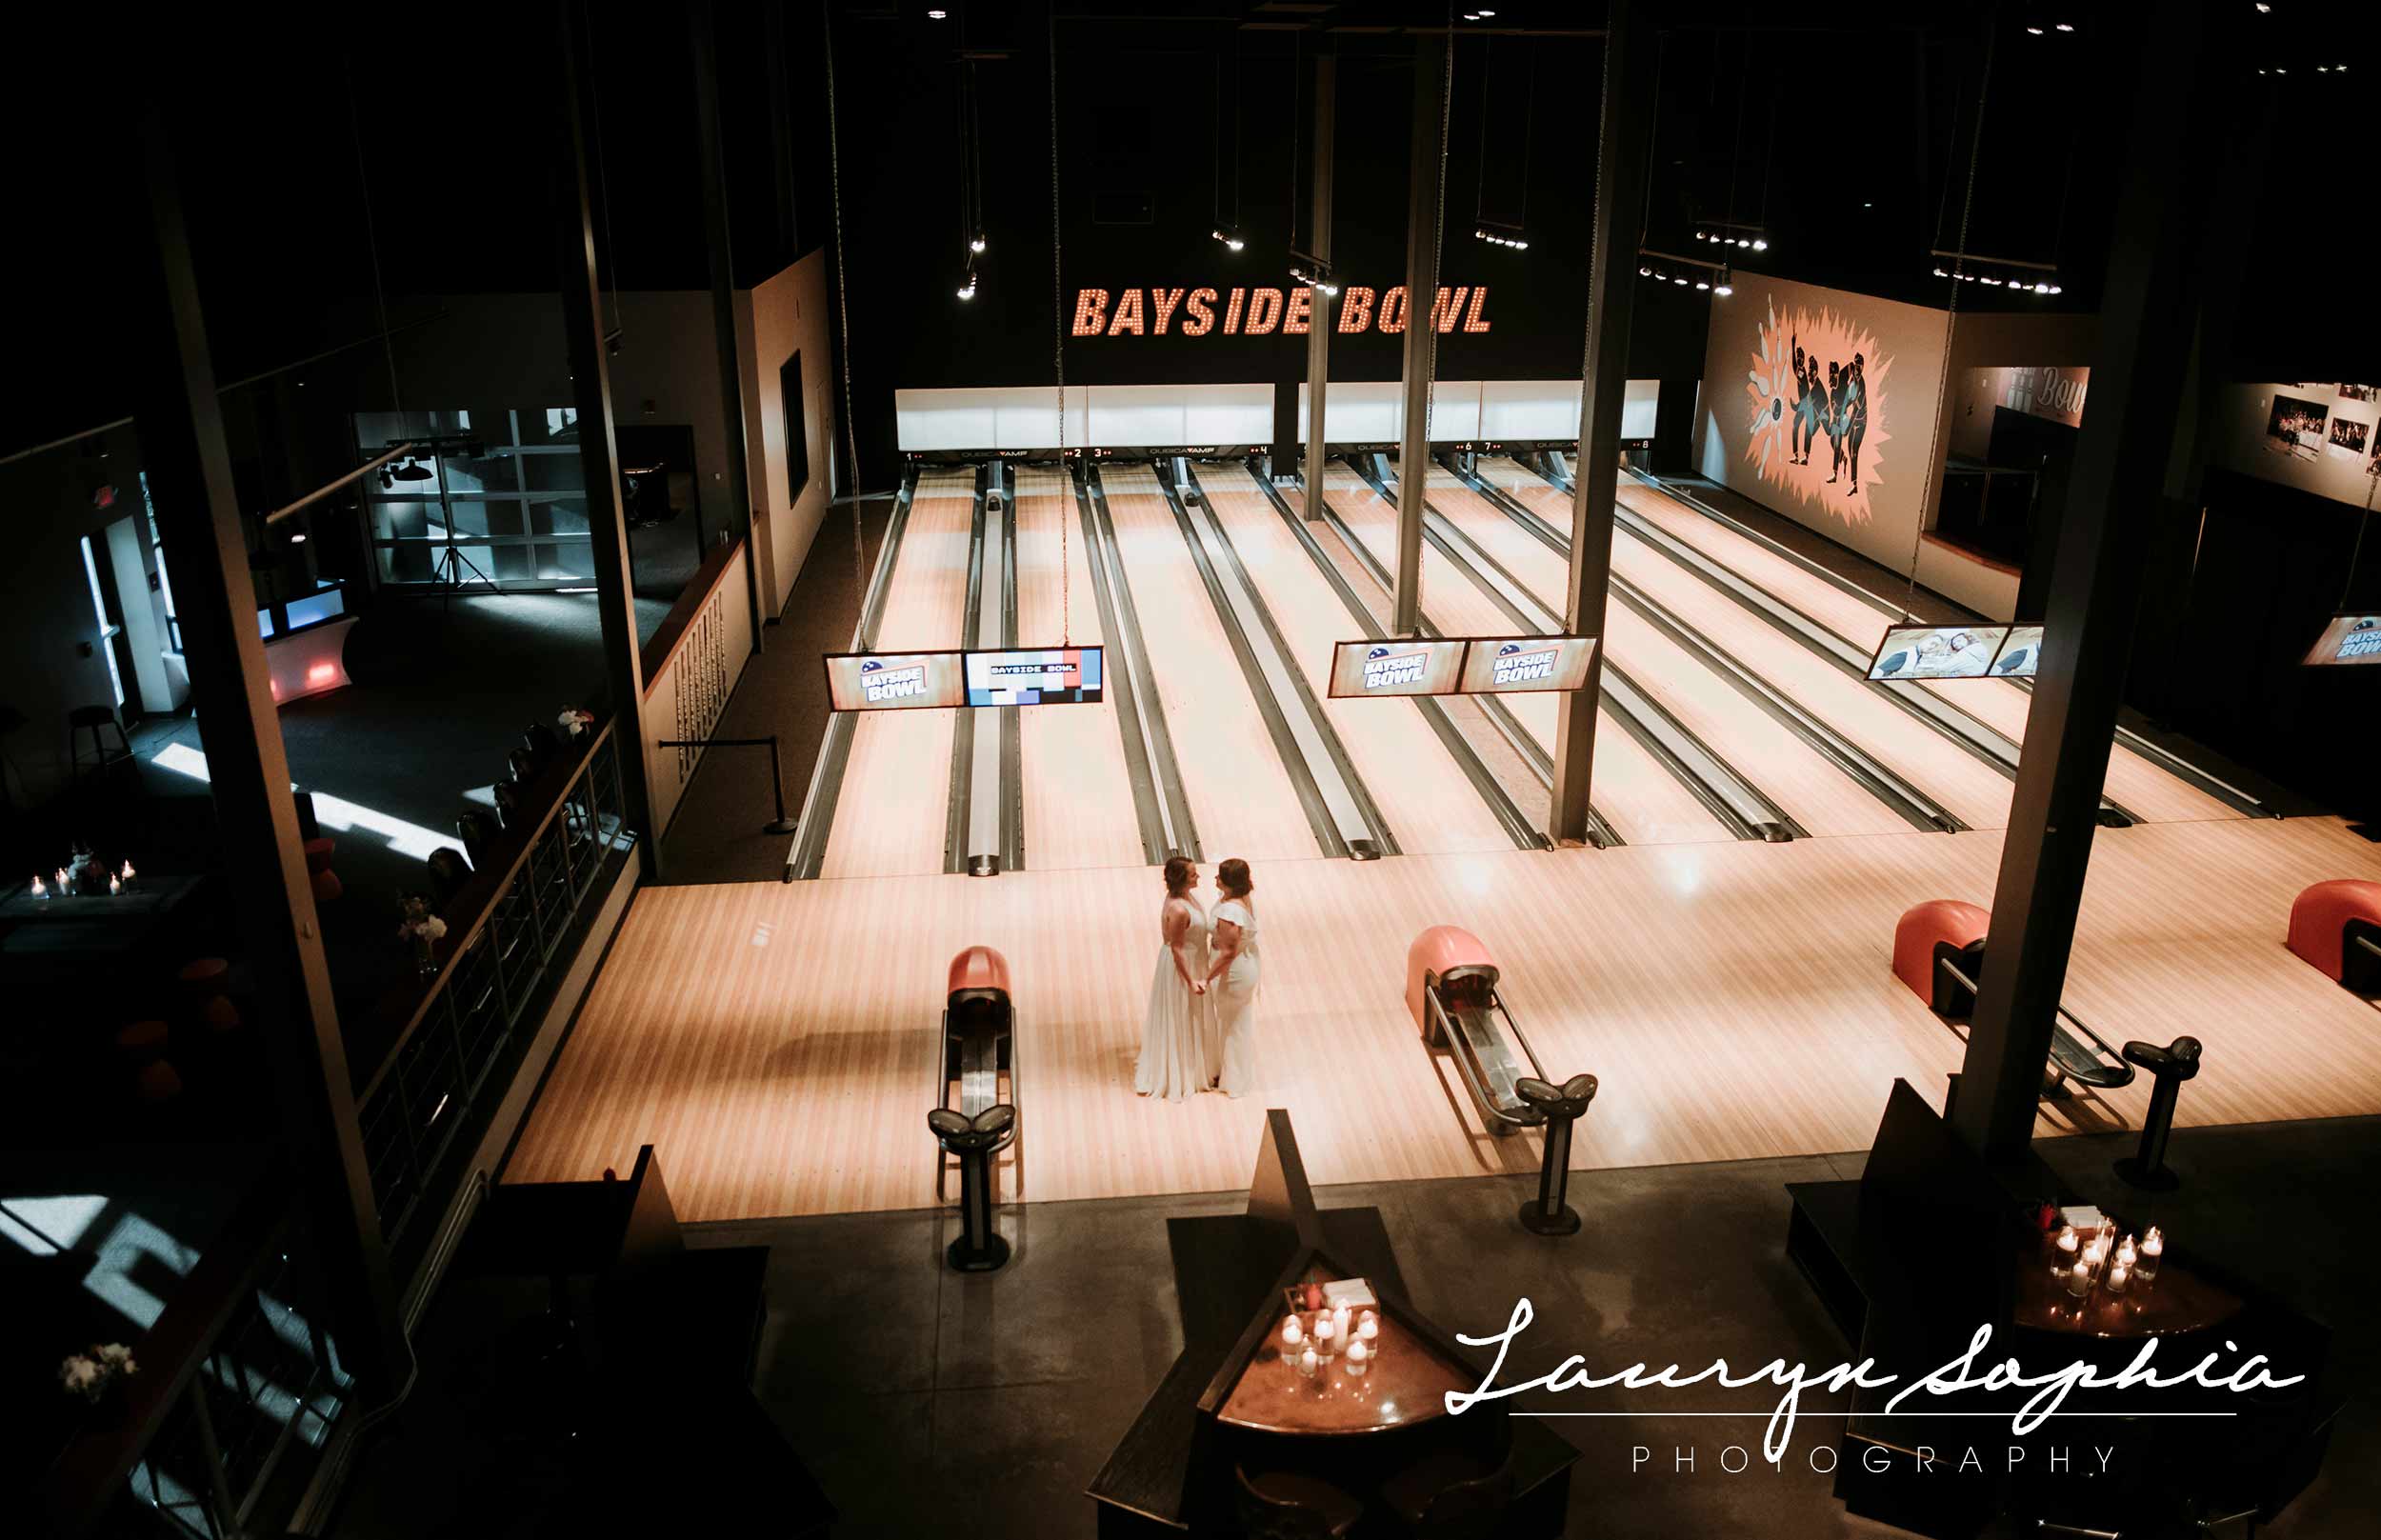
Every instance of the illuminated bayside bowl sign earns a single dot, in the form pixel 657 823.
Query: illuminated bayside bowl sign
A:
pixel 908 681
pixel 1459 666
pixel 2347 639
pixel 1260 312
pixel 1912 652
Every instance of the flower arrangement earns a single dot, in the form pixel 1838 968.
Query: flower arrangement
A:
pixel 574 721
pixel 420 926
pixel 90 1374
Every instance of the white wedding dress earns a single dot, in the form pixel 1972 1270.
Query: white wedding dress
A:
pixel 1173 1062
pixel 1233 1004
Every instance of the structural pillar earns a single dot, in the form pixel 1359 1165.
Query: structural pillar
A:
pixel 1326 305
pixel 2114 502
pixel 188 464
pixel 1422 231
pixel 599 456
pixel 702 23
pixel 1622 144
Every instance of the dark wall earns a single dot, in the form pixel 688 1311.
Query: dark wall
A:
pixel 1149 122
pixel 2227 615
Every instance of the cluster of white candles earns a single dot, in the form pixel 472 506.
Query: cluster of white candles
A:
pixel 2100 1258
pixel 1335 1331
pixel 64 882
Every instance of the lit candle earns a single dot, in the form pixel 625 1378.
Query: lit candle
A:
pixel 2069 1242
pixel 2125 1253
pixel 114 886
pixel 1293 1339
pixel 62 885
pixel 39 891
pixel 2079 1279
pixel 1368 1331
pixel 128 874
pixel 1326 1335
pixel 1308 1363
pixel 2152 1250
pixel 1359 1357
pixel 2119 1275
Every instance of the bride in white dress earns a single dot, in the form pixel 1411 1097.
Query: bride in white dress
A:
pixel 1174 1056
pixel 1232 972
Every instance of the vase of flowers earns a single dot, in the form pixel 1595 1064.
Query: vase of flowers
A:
pixel 98 1374
pixel 422 930
pixel 574 721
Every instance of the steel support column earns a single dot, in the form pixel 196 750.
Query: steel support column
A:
pixel 187 463
pixel 1622 146
pixel 703 23
pixel 599 456
pixel 2115 495
pixel 1422 230
pixel 1325 308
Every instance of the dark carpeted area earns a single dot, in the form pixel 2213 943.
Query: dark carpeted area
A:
pixel 717 835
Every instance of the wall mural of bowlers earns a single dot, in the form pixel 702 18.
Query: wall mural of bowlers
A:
pixel 1817 389
pixel 2297 426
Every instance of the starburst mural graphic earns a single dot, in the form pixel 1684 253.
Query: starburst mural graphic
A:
pixel 1818 397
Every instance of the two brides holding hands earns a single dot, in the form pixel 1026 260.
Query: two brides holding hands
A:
pixel 1201 1031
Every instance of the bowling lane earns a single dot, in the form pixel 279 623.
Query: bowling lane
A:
pixel 1971 790
pixel 2132 781
pixel 1417 784
pixel 1645 803
pixel 897 788
pixel 1802 781
pixel 1078 790
pixel 1240 796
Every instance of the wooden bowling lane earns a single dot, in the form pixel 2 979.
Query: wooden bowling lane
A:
pixel 1971 790
pixel 1241 798
pixel 1800 779
pixel 890 819
pixel 1416 783
pixel 1077 792
pixel 1645 803
pixel 776 1041
pixel 2132 781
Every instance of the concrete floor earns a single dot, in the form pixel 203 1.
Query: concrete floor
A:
pixel 910 1389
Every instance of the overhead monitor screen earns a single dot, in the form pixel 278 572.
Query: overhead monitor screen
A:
pixel 2020 655
pixel 1937 651
pixel 2348 639
pixel 893 681
pixel 1035 676
pixel 1409 665
pixel 1497 664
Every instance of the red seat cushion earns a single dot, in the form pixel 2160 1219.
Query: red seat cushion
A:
pixel 2320 920
pixel 1922 928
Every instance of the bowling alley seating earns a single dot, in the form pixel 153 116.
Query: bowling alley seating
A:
pixel 1938 952
pixel 2336 928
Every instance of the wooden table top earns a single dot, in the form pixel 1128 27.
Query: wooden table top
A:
pixel 1406 1382
pixel 2177 1300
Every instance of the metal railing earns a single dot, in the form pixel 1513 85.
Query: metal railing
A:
pixel 511 932
pixel 239 1384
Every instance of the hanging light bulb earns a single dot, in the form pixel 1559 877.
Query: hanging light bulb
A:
pixel 978 243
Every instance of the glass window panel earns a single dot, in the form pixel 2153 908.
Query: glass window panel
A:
pixel 562 515
pixel 553 473
pixel 494 471
pixel 553 425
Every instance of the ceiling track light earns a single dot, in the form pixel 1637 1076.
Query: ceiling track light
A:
pixel 1230 237
pixel 2020 277
pixel 1509 236
pixel 977 242
pixel 1706 277
pixel 1318 281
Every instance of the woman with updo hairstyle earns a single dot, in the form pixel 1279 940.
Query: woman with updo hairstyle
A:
pixel 1173 1062
pixel 1232 974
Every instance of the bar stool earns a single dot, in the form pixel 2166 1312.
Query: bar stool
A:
pixel 2169 1067
pixel 97 720
pixel 208 983
pixel 325 883
pixel 141 1043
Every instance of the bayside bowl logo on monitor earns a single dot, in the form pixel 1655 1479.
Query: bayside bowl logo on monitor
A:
pixel 1387 670
pixel 2362 640
pixel 898 685
pixel 1516 666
